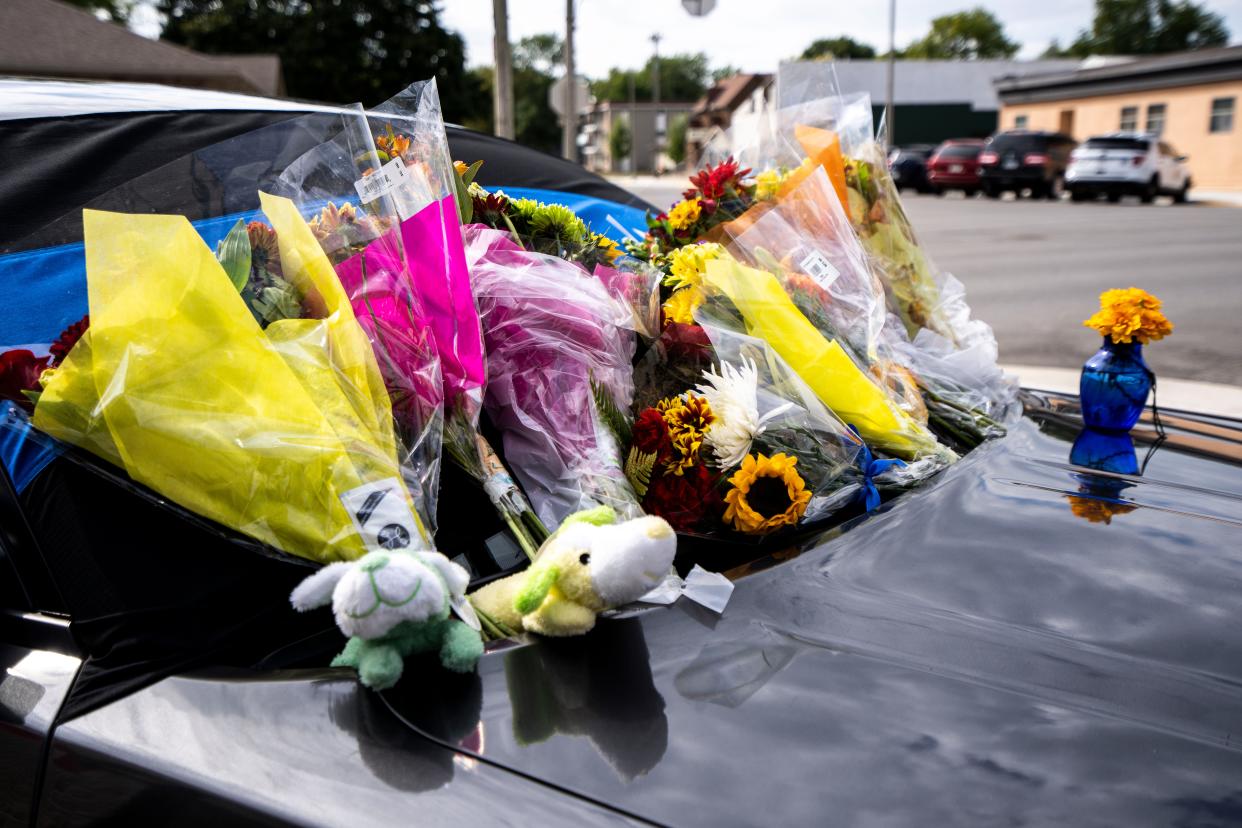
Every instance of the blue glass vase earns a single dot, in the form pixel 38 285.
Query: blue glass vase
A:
pixel 1114 386
pixel 1105 451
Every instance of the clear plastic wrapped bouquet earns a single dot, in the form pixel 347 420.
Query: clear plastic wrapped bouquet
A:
pixel 559 349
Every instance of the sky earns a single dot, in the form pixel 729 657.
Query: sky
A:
pixel 756 35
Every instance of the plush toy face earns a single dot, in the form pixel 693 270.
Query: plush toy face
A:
pixel 382 589
pixel 606 566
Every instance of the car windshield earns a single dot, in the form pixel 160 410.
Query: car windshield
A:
pixel 960 151
pixel 1137 144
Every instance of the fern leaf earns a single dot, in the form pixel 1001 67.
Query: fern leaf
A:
pixel 638 468
pixel 617 421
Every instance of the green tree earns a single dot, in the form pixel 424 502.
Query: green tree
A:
pixel 966 35
pixel 620 142
pixel 536 64
pixel 837 48
pixel 677 139
pixel 341 51
pixel 1145 27
pixel 542 52
pixel 722 72
pixel 682 78
pixel 479 114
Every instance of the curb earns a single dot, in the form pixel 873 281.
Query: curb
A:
pixel 1189 395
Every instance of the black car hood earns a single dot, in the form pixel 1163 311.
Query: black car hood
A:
pixel 994 648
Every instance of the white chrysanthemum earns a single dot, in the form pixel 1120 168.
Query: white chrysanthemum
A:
pixel 733 395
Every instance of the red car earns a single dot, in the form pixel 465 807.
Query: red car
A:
pixel 955 166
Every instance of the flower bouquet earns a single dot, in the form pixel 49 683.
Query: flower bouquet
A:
pixel 559 349
pixel 747 448
pixel 805 237
pixel 929 303
pixel 162 385
pixel 739 372
pixel 431 198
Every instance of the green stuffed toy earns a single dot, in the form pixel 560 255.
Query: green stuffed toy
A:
pixel 391 605
pixel 590 564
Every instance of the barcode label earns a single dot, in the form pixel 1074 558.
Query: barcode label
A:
pixel 381 182
pixel 817 266
pixel 382 517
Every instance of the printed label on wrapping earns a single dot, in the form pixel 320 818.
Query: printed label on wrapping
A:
pixel 382 181
pixel 382 517
pixel 817 266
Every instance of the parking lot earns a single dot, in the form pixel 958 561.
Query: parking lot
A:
pixel 1033 270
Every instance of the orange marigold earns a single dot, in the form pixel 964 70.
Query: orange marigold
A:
pixel 1130 314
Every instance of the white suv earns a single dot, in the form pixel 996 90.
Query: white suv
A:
pixel 1126 162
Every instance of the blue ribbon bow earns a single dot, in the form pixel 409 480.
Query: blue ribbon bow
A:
pixel 870 468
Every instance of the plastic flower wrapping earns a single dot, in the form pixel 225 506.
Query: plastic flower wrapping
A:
pixel 559 347
pixel 318 277
pixel 929 303
pixel 342 303
pixel 728 437
pixel 806 239
pixel 163 385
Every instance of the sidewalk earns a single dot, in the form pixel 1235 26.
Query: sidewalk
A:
pixel 1190 395
pixel 1217 198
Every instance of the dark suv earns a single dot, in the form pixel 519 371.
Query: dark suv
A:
pixel 1019 159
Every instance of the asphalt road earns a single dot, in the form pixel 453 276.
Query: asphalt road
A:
pixel 1033 270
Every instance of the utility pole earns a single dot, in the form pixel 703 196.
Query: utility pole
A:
pixel 655 68
pixel 502 91
pixel 890 114
pixel 633 120
pixel 655 99
pixel 569 146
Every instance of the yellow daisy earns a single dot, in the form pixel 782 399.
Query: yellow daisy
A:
pixel 685 213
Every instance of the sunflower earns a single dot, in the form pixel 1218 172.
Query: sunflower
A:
pixel 765 494
pixel 681 305
pixel 685 213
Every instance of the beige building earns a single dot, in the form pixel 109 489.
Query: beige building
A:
pixel 648 124
pixel 1190 99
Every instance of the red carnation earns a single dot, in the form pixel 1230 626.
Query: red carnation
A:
pixel 68 338
pixel 651 435
pixel 19 371
pixel 683 501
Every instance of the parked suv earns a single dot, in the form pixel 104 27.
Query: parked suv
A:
pixel 1018 160
pixel 1122 163
pixel 955 166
